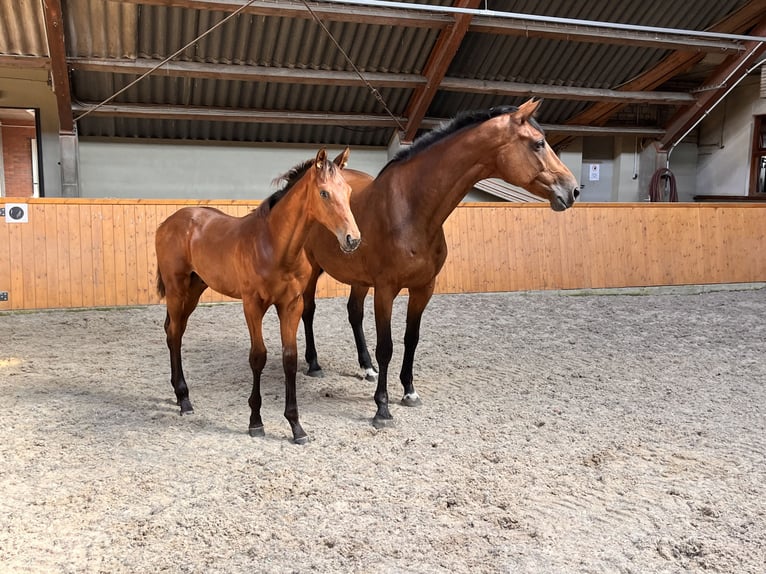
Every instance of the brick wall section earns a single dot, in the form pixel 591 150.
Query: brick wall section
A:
pixel 17 160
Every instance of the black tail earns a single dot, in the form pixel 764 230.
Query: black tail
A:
pixel 160 284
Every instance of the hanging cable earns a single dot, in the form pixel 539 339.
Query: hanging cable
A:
pixel 661 179
pixel 165 61
pixel 372 88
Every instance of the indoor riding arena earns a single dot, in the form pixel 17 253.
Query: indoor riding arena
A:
pixel 382 287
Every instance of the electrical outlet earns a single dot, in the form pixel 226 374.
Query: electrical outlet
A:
pixel 2 212
pixel 3 295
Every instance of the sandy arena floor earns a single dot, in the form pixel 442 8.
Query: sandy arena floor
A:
pixel 559 433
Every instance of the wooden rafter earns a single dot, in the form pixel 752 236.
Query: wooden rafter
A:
pixel 235 72
pixel 726 75
pixel 242 115
pixel 673 65
pixel 441 56
pixel 54 30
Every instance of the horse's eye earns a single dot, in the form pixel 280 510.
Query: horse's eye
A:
pixel 539 145
pixel 324 194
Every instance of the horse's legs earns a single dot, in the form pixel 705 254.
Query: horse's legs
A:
pixel 419 298
pixel 384 301
pixel 289 317
pixel 356 317
pixel 254 311
pixel 309 307
pixel 181 301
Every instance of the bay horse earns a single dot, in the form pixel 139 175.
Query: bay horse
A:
pixel 401 213
pixel 258 258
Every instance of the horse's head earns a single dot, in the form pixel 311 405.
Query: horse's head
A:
pixel 527 161
pixel 330 199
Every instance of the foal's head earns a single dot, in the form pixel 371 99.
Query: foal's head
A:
pixel 329 196
pixel 526 159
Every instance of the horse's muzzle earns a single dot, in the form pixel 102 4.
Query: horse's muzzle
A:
pixel 350 244
pixel 565 201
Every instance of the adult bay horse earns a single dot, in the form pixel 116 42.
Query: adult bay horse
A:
pixel 258 258
pixel 401 213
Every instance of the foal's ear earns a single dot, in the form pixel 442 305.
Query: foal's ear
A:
pixel 342 160
pixel 321 159
pixel 527 110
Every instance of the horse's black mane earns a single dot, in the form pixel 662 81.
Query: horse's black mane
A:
pixel 462 120
pixel 290 179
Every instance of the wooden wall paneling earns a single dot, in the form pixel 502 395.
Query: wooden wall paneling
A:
pixel 13 264
pixel 618 252
pixel 86 260
pixel 48 272
pixel 148 257
pixel 571 235
pixel 7 262
pixel 140 213
pixel 445 281
pixel 74 250
pixel 494 222
pixel 129 242
pixel 752 257
pixel 26 298
pixel 109 228
pixel 96 254
pixel 61 251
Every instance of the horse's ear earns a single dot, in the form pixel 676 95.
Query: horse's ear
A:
pixel 527 110
pixel 342 160
pixel 321 159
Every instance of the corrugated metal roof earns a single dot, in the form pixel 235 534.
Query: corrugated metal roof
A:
pixel 22 28
pixel 113 30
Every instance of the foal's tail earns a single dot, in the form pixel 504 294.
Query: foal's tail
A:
pixel 160 284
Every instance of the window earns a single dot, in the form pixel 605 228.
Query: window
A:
pixel 758 159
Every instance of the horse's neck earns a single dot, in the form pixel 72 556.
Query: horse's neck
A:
pixel 289 223
pixel 435 180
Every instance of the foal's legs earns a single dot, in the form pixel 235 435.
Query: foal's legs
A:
pixel 289 317
pixel 384 301
pixel 254 311
pixel 419 298
pixel 309 307
pixel 181 297
pixel 356 317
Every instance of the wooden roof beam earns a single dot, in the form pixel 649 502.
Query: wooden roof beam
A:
pixel 727 75
pixel 439 59
pixel 235 72
pixel 54 30
pixel 199 113
pixel 674 64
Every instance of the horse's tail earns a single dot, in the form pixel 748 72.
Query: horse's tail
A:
pixel 160 284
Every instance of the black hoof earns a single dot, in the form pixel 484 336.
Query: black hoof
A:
pixel 301 439
pixel 382 422
pixel 256 431
pixel 318 374
pixel 186 407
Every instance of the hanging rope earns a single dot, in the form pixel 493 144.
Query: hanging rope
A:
pixel 372 88
pixel 165 61
pixel 661 179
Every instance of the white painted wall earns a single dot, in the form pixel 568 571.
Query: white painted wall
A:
pixel 198 171
pixel 725 141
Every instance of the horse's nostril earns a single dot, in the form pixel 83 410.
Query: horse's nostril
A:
pixel 576 192
pixel 352 242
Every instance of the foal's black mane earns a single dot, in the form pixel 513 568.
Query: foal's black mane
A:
pixel 290 179
pixel 462 120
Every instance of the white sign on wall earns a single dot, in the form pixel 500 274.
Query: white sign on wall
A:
pixel 595 172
